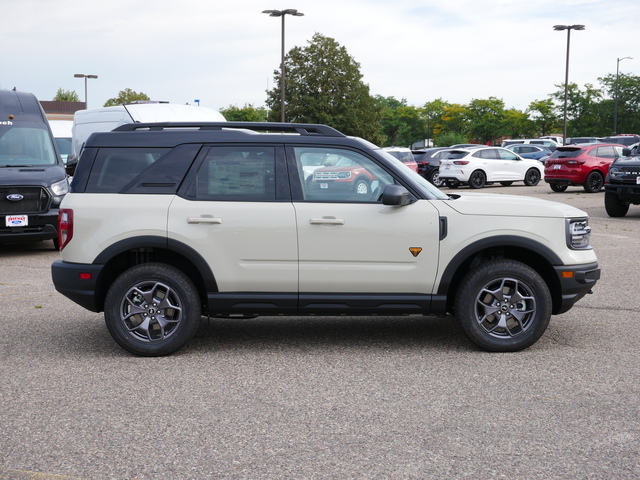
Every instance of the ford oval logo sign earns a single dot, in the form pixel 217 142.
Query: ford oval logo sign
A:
pixel 15 197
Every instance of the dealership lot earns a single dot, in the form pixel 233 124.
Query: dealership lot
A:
pixel 325 397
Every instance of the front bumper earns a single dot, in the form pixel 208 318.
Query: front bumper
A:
pixel 628 193
pixel 42 226
pixel 575 283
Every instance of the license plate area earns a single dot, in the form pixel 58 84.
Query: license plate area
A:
pixel 17 220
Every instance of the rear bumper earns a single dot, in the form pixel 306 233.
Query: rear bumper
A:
pixel 77 282
pixel 575 283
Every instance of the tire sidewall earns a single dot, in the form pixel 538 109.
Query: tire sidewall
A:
pixel 534 173
pixel 181 285
pixel 485 273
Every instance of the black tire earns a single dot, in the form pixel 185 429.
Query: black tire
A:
pixel 513 290
pixel 361 187
pixel 556 187
pixel 506 184
pixel 434 178
pixel 154 290
pixel 477 179
pixel 613 205
pixel 56 244
pixel 593 183
pixel 532 177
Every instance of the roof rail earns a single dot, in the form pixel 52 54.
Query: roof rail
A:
pixel 303 129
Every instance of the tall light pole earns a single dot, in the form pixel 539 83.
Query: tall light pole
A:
pixel 282 13
pixel 568 28
pixel 615 108
pixel 82 75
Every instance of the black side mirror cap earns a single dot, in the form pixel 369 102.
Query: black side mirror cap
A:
pixel 72 163
pixel 626 152
pixel 396 195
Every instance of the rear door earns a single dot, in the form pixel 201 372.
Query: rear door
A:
pixel 240 219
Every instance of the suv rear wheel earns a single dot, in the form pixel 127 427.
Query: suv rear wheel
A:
pixel 503 305
pixel 593 183
pixel 477 179
pixel 532 177
pixel 152 309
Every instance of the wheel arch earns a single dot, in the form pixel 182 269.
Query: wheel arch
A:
pixel 537 256
pixel 146 249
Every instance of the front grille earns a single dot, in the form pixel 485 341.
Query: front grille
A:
pixel 631 174
pixel 35 200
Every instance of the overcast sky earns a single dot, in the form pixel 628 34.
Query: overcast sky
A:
pixel 225 52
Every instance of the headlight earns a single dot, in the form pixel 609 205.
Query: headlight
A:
pixel 615 172
pixel 60 188
pixel 578 233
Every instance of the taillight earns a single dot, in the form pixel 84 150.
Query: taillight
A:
pixel 65 226
pixel 461 162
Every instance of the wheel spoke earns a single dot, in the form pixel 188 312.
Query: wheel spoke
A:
pixel 504 307
pixel 151 311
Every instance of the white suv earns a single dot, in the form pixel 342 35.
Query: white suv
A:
pixel 166 223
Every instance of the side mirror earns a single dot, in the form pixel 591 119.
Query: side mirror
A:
pixel 626 152
pixel 395 195
pixel 72 163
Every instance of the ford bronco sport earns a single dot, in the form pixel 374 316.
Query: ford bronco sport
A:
pixel 168 222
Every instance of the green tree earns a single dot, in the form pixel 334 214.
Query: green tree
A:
pixel 518 124
pixel 544 117
pixel 66 96
pixel 324 85
pixel 402 125
pixel 486 118
pixel 628 102
pixel 432 113
pixel 582 119
pixel 450 138
pixel 126 96
pixel 453 120
pixel 248 113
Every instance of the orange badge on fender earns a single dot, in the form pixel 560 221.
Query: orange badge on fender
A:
pixel 415 251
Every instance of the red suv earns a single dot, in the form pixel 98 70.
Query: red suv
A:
pixel 585 165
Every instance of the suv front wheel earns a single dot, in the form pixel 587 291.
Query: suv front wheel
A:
pixel 152 309
pixel 503 305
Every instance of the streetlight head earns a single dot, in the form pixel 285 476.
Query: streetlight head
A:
pixel 577 27
pixel 92 76
pixel 273 13
pixel 79 75
pixel 560 27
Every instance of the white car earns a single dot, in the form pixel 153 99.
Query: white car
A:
pixel 479 166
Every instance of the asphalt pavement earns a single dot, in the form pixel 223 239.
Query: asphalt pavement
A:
pixel 324 398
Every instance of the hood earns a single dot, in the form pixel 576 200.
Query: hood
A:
pixel 511 206
pixel 41 176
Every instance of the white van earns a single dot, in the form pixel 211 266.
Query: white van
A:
pixel 105 119
pixel 61 130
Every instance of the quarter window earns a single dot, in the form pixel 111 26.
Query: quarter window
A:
pixel 114 168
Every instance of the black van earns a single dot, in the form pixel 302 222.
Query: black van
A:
pixel 33 180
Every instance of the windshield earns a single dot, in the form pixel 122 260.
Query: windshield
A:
pixel 428 189
pixel 26 144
